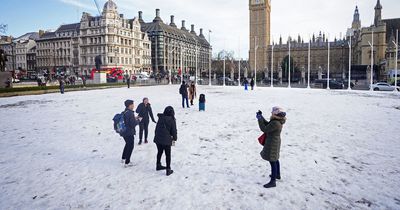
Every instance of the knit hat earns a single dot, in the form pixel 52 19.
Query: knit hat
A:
pixel 128 103
pixel 278 111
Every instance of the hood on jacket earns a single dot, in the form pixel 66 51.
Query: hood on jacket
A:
pixel 282 120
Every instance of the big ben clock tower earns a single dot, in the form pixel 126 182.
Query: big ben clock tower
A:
pixel 260 29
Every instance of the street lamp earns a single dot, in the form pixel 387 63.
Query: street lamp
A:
pixel 309 64
pixel 272 66
pixel 349 85
pixel 239 59
pixel 170 61
pixel 329 57
pixel 197 54
pixel 290 39
pixel 397 55
pixel 224 68
pixel 209 58
pixel 372 60
pixel 255 61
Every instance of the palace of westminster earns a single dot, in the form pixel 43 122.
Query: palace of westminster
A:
pixel 383 30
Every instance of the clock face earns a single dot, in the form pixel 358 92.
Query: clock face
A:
pixel 256 2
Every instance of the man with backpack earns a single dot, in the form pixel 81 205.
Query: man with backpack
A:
pixel 184 92
pixel 125 124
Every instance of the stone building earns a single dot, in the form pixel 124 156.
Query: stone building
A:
pixel 58 51
pixel 73 47
pixel 118 41
pixel 176 48
pixel 383 54
pixel 383 31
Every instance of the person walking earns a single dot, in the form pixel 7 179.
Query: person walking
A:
pixel 128 79
pixel 252 83
pixel 184 92
pixel 165 136
pixel 246 84
pixel 129 135
pixel 192 93
pixel 272 145
pixel 62 84
pixel 144 111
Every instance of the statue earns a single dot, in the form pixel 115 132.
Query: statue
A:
pixel 303 75
pixel 320 72
pixel 280 75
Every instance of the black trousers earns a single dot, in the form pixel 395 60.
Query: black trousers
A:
pixel 275 169
pixel 160 151
pixel 128 149
pixel 143 127
pixel 128 82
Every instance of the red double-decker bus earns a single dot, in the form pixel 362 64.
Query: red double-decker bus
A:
pixel 112 73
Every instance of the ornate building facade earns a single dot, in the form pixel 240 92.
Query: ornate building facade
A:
pixel 382 31
pixel 118 41
pixel 175 49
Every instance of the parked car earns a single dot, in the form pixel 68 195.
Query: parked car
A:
pixel 140 78
pixel 383 86
pixel 228 81
pixel 332 84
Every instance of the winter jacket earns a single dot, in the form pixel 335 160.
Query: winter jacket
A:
pixel 130 123
pixel 252 83
pixel 192 92
pixel 183 90
pixel 144 111
pixel 165 130
pixel 272 144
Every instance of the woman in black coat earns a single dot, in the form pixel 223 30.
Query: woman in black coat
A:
pixel 165 136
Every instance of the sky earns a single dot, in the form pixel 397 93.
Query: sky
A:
pixel 227 19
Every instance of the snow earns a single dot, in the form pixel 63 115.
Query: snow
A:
pixel 340 150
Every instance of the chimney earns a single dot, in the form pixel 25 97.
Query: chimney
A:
pixel 201 33
pixel 183 25
pixel 192 31
pixel 158 13
pixel 141 17
pixel 172 21
pixel 157 18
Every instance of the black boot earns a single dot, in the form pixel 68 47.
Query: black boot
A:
pixel 169 172
pixel 140 142
pixel 271 184
pixel 160 167
pixel 146 142
pixel 277 177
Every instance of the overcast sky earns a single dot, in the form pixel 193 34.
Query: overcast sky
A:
pixel 228 19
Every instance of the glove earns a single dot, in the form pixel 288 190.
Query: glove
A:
pixel 259 115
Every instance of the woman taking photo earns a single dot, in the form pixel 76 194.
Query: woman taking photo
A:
pixel 165 137
pixel 272 145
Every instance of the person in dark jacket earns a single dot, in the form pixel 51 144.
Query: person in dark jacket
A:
pixel 143 111
pixel 165 136
pixel 246 84
pixel 202 102
pixel 183 90
pixel 62 84
pixel 129 136
pixel 272 145
pixel 252 83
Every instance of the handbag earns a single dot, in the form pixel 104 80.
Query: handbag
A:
pixel 262 138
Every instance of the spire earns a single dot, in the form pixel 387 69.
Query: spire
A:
pixel 356 20
pixel 378 5
pixel 378 13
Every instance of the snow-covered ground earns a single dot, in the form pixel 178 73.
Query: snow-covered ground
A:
pixel 340 150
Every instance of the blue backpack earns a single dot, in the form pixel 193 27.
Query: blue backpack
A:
pixel 119 123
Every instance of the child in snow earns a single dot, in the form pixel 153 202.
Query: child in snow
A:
pixel 272 145
pixel 202 102
pixel 246 84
